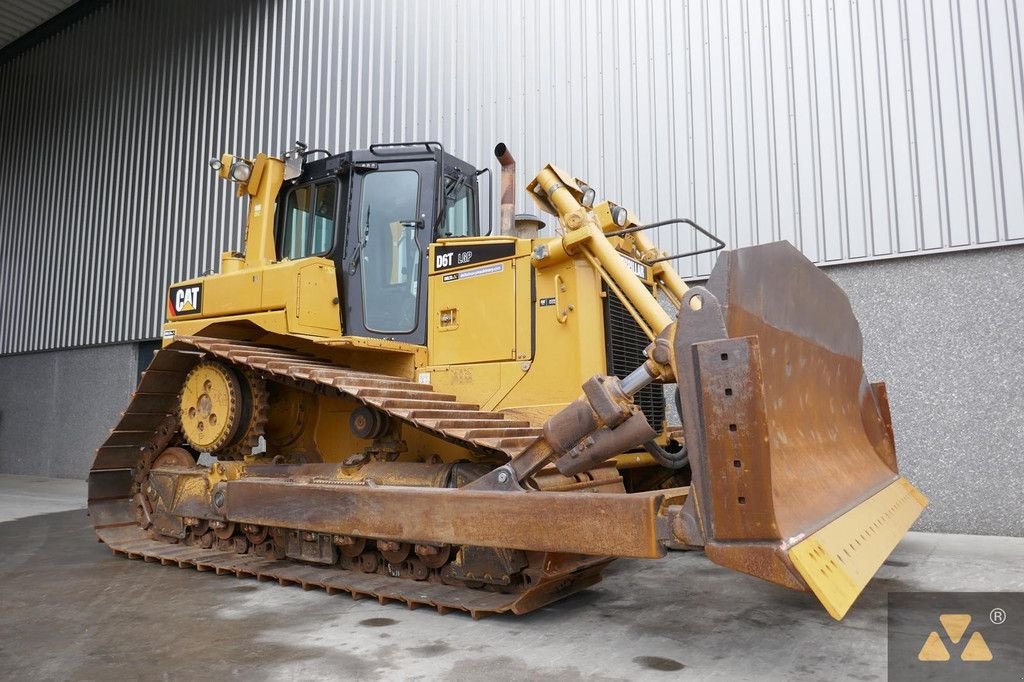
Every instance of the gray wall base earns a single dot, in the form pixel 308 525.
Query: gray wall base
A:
pixel 946 334
pixel 57 407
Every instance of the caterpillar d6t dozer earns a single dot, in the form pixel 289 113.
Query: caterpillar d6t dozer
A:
pixel 378 397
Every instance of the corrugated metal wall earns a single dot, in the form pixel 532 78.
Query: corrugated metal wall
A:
pixel 18 17
pixel 857 130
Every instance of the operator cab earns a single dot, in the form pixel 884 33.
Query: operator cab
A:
pixel 375 213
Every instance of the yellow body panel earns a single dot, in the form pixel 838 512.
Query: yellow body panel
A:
pixel 273 322
pixel 487 346
pixel 513 338
pixel 473 319
pixel 482 384
pixel 305 291
pixel 569 341
pixel 316 296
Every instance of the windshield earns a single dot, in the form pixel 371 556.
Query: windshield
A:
pixel 389 253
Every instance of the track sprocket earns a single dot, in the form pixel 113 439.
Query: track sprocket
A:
pixel 223 410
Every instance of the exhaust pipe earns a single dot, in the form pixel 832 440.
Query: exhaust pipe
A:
pixel 508 187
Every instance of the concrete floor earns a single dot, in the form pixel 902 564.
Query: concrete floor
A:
pixel 22 496
pixel 71 610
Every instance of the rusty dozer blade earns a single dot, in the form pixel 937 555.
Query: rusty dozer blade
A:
pixel 794 466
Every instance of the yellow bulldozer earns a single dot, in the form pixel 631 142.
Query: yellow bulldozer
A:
pixel 381 397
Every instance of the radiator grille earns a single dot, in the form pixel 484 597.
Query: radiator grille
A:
pixel 624 348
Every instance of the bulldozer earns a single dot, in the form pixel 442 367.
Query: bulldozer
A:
pixel 381 396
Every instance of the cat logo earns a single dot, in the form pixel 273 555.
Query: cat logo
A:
pixel 185 300
pixel 955 625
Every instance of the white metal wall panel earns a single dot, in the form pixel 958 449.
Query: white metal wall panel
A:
pixel 856 130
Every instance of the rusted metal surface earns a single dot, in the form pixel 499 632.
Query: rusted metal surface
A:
pixel 699 320
pixel 150 422
pixel 605 443
pixel 783 430
pixel 738 459
pixel 828 448
pixel 884 441
pixel 593 523
pixel 760 559
pixel 590 430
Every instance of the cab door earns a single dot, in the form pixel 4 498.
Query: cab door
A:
pixel 384 269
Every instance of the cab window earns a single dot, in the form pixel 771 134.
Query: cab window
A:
pixel 460 218
pixel 309 216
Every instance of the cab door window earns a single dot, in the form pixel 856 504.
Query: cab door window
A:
pixel 309 217
pixel 390 253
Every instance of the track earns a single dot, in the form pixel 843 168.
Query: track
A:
pixel 131 541
pixel 149 425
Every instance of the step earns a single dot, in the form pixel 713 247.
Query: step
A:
pixel 516 443
pixel 457 413
pixel 453 424
pixel 498 432
pixel 386 395
pixel 290 367
pixel 414 404
pixel 250 356
pixel 513 445
pixel 345 383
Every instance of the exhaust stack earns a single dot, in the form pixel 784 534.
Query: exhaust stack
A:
pixel 508 187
